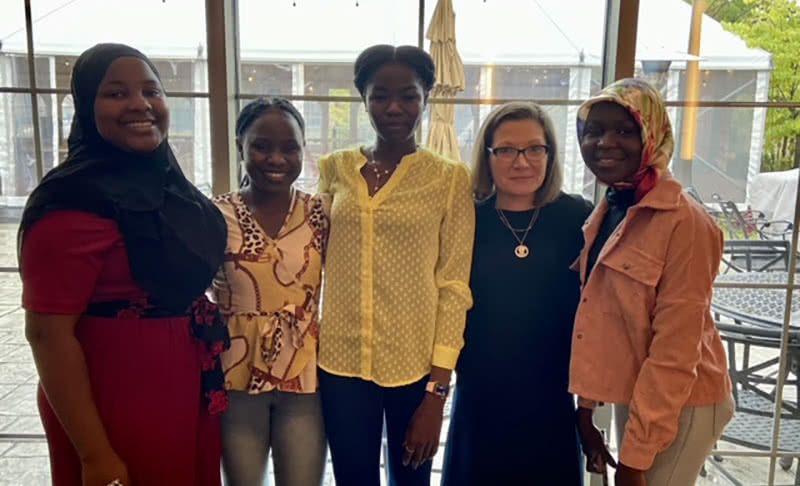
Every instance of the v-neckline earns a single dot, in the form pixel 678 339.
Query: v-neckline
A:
pixel 257 223
pixel 384 191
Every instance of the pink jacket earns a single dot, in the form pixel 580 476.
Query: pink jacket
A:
pixel 644 334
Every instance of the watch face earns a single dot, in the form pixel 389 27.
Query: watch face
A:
pixel 438 389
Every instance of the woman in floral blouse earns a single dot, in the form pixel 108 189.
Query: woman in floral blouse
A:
pixel 268 290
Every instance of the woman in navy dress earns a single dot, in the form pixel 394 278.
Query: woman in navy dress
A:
pixel 513 418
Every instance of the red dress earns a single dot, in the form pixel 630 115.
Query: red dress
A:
pixel 145 373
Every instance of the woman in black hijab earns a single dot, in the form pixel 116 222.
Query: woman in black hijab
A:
pixel 117 248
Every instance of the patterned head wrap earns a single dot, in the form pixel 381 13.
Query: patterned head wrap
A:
pixel 647 107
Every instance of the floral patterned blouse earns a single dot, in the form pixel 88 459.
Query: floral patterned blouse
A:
pixel 268 290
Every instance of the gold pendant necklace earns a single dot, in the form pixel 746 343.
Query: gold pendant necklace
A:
pixel 522 250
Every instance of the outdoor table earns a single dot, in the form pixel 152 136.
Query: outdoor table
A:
pixel 758 307
pixel 759 315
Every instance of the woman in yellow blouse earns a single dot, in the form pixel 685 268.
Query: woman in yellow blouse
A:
pixel 268 290
pixel 397 279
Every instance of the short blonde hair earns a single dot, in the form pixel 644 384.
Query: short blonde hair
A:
pixel 482 184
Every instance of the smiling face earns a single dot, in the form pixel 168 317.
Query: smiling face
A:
pixel 272 150
pixel 130 109
pixel 611 144
pixel 395 101
pixel 519 178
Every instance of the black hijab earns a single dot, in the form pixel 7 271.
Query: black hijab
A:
pixel 175 236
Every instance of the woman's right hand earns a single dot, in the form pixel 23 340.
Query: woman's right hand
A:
pixel 593 443
pixel 103 469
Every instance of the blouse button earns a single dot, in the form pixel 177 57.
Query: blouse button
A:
pixel 579 336
pixel 626 266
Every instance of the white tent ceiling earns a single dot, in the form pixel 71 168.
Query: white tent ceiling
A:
pixel 526 32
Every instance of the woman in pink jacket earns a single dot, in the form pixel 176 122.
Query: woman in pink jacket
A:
pixel 644 339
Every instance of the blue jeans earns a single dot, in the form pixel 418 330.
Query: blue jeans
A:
pixel 289 423
pixel 354 411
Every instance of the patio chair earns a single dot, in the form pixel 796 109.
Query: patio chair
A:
pixel 752 223
pixel 756 255
pixel 773 230
pixel 692 192
pixel 754 391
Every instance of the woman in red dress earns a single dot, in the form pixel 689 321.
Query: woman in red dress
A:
pixel 117 248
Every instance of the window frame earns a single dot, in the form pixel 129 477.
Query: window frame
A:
pixel 224 96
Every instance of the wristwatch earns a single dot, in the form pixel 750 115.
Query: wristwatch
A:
pixel 438 389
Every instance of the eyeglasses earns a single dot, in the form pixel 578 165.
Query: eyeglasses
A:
pixel 533 153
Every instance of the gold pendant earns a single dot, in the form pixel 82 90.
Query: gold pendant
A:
pixel 521 251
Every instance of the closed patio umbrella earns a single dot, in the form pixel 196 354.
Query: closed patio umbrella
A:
pixel 449 80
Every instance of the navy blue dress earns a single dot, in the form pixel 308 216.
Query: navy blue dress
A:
pixel 513 420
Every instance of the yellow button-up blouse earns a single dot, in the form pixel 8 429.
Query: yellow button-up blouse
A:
pixel 396 286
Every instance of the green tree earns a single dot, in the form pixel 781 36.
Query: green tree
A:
pixel 725 10
pixel 774 26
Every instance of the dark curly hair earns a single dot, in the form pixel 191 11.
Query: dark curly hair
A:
pixel 372 58
pixel 258 107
